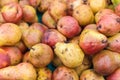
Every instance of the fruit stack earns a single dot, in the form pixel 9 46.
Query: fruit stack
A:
pixel 79 38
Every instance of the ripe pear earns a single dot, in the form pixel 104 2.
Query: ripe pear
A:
pixel 97 5
pixel 64 73
pixel 114 43
pixel 14 54
pixel 114 75
pixel 12 12
pixel 106 62
pixel 83 14
pixel 29 14
pixel 22 71
pixel 10 34
pixel 31 36
pixel 70 54
pixel 57 9
pixel 109 24
pixel 90 74
pixel 48 20
pixel 68 26
pixel 40 55
pixel 101 13
pixel 52 36
pixel 91 41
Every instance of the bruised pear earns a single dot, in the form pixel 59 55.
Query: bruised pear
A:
pixel 92 41
pixel 115 75
pixel 97 5
pixel 44 74
pixel 57 9
pixel 48 20
pixel 10 34
pixel 64 73
pixel 90 74
pixel 109 24
pixel 101 13
pixel 29 14
pixel 52 36
pixel 70 54
pixel 114 43
pixel 106 62
pixel 68 26
pixel 12 12
pixel 40 55
pixel 83 14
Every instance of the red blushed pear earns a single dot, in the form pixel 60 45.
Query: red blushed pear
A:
pixel 115 75
pixel 109 24
pixel 14 54
pixel 29 14
pixel 91 41
pixel 12 12
pixel 101 13
pixel 4 59
pixel 52 36
pixel 68 26
pixel 106 62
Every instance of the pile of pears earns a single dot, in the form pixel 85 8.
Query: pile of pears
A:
pixel 79 38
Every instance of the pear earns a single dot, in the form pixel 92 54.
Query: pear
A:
pixel 70 54
pixel 97 5
pixel 44 74
pixel 114 43
pixel 106 62
pixel 109 24
pixel 84 15
pixel 40 55
pixel 91 41
pixel 90 74
pixel 56 11
pixel 29 14
pixel 22 71
pixel 10 34
pixel 64 73
pixel 48 20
